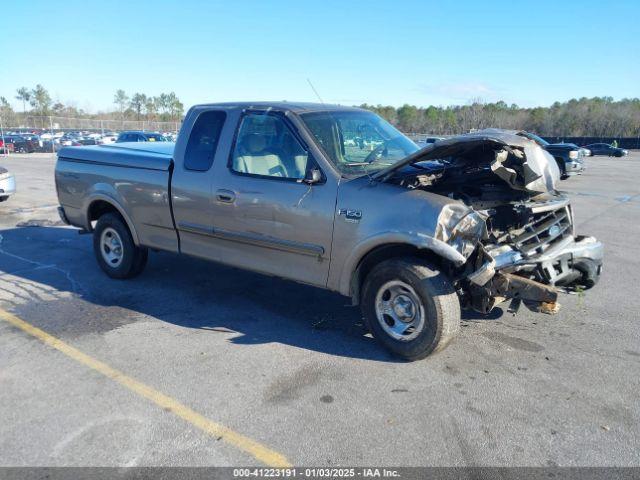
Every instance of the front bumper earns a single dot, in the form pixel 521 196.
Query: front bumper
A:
pixel 575 264
pixel 7 186
pixel 573 167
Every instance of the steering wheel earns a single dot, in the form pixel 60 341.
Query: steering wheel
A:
pixel 380 151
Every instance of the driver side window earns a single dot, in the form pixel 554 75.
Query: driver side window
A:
pixel 266 147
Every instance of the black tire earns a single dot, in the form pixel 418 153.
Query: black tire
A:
pixel 563 169
pixel 438 298
pixel 133 259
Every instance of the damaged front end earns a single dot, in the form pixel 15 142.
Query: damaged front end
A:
pixel 530 260
pixel 510 224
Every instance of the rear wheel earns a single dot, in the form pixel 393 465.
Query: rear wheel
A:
pixel 115 251
pixel 410 307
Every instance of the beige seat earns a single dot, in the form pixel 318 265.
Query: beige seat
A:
pixel 255 159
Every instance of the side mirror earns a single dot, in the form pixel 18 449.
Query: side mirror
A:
pixel 313 177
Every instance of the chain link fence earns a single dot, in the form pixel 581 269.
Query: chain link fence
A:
pixel 49 123
pixel 43 133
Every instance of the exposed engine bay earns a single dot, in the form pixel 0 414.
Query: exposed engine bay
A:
pixel 511 224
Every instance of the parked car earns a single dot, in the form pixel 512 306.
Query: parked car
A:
pixel 140 136
pixel 108 138
pixel 5 147
pixel 568 156
pixel 606 149
pixel 87 141
pixel 7 184
pixel 20 144
pixel 48 146
pixel 70 139
pixel 410 234
pixel 585 151
pixel 31 137
pixel 428 140
pixel 170 136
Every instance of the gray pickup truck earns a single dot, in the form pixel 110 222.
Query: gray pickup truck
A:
pixel 337 198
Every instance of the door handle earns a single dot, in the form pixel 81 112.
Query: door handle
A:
pixel 225 196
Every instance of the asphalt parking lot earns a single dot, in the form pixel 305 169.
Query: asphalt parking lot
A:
pixel 233 368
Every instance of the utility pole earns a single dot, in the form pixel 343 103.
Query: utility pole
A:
pixel 4 145
pixel 53 148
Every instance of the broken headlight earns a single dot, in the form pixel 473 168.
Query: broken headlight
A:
pixel 461 227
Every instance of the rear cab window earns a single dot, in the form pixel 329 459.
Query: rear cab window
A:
pixel 203 140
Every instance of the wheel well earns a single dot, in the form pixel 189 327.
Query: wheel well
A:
pixel 99 208
pixel 382 253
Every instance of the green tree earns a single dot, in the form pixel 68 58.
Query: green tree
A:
pixel 150 108
pixel 24 95
pixel 174 106
pixel 138 101
pixel 407 117
pixel 121 99
pixel 6 112
pixel 40 100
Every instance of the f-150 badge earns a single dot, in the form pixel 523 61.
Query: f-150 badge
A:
pixel 352 216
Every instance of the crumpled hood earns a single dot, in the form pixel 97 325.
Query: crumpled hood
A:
pixel 520 162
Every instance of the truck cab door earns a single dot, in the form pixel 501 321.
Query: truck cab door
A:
pixel 267 213
pixel 200 145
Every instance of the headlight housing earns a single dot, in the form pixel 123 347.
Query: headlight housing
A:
pixel 573 154
pixel 461 227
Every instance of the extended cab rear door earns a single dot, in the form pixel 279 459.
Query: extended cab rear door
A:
pixel 204 140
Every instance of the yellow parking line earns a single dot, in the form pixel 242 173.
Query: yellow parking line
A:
pixel 258 451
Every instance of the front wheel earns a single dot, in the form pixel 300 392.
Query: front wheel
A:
pixel 410 307
pixel 115 251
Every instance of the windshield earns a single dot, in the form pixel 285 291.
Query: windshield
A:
pixel 358 142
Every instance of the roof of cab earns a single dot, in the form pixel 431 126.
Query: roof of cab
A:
pixel 296 107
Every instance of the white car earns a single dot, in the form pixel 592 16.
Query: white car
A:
pixel 7 184
pixel 585 152
pixel 108 138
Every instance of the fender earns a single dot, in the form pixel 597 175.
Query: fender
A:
pixel 415 239
pixel 104 196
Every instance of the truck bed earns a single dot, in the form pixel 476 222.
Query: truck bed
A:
pixel 134 176
pixel 147 155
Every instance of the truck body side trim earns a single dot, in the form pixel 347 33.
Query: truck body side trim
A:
pixel 253 239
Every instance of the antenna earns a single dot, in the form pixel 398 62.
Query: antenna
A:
pixel 364 169
pixel 315 91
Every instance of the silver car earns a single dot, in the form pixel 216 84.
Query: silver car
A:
pixel 7 184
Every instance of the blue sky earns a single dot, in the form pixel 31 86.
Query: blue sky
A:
pixel 388 52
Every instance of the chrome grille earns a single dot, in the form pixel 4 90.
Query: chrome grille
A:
pixel 545 230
